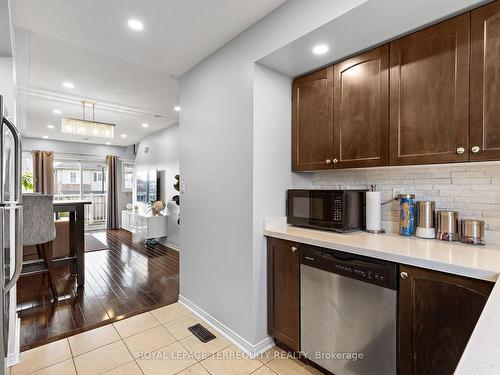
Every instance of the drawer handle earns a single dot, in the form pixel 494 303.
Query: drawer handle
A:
pixel 404 275
pixel 294 249
pixel 309 258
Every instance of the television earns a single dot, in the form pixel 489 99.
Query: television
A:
pixel 146 186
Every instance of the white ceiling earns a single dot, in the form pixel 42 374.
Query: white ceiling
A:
pixel 362 27
pixel 177 33
pixel 130 75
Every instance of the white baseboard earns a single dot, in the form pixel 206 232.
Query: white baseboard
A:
pixel 172 246
pixel 13 356
pixel 251 349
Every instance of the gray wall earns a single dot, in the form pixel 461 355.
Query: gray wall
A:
pixel 163 154
pixel 222 263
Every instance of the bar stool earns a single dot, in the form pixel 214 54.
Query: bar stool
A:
pixel 39 230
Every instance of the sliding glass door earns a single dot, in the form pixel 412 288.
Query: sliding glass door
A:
pixel 83 179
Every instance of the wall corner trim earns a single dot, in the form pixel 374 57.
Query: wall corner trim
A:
pixel 253 350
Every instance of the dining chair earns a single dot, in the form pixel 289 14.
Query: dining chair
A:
pixel 39 230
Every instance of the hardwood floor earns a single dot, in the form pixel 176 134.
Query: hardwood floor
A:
pixel 125 280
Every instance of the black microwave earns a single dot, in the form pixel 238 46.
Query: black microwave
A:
pixel 336 210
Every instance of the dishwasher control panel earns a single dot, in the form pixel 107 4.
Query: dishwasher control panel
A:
pixel 370 270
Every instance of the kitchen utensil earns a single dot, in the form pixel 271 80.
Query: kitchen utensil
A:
pixel 373 211
pixel 473 232
pixel 447 225
pixel 425 219
pixel 406 214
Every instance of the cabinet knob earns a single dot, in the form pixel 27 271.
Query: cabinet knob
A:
pixel 475 149
pixel 404 275
pixel 335 161
pixel 328 161
pixel 460 150
pixel 294 249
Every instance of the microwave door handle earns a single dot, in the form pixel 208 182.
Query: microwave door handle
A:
pixel 17 160
pixel 19 251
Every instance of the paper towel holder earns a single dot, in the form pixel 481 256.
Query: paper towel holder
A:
pixel 380 231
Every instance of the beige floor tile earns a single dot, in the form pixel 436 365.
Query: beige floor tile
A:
pixel 43 356
pixel 103 359
pixel 194 370
pixel 179 327
pixel 93 339
pixel 230 361
pixel 171 312
pixel 291 367
pixel 168 360
pixel 131 326
pixel 150 340
pixel 264 370
pixel 67 368
pixel 270 354
pixel 202 350
pixel 130 368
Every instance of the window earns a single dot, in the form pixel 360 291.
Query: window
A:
pixel 27 172
pixel 83 179
pixel 127 176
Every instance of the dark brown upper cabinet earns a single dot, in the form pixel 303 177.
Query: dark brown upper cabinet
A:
pixel 361 110
pixel 485 83
pixel 312 121
pixel 283 292
pixel 429 117
pixel 437 314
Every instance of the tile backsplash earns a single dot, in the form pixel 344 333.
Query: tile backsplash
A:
pixel 473 189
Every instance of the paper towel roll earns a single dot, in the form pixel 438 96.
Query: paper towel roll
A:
pixel 373 210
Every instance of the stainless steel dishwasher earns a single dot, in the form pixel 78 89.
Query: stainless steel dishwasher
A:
pixel 348 312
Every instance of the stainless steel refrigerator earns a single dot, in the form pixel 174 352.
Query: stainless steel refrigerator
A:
pixel 11 216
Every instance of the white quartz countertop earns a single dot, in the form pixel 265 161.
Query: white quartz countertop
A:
pixel 480 262
pixel 482 354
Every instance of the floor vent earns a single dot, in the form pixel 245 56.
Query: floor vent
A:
pixel 202 333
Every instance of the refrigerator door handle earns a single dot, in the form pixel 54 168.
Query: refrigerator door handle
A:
pixel 19 250
pixel 17 160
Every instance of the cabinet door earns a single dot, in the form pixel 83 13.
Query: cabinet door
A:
pixel 283 292
pixel 361 110
pixel 429 95
pixel 437 313
pixel 485 83
pixel 312 121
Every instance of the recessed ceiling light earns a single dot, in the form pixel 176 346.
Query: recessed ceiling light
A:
pixel 320 49
pixel 108 143
pixel 57 111
pixel 135 25
pixel 50 126
pixel 177 108
pixel 144 125
pixel 124 135
pixel 45 137
pixel 68 85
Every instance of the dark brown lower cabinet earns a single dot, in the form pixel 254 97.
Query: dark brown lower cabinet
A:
pixel 283 292
pixel 437 314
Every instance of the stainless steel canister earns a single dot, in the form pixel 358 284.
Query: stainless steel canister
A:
pixel 447 225
pixel 425 219
pixel 473 231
